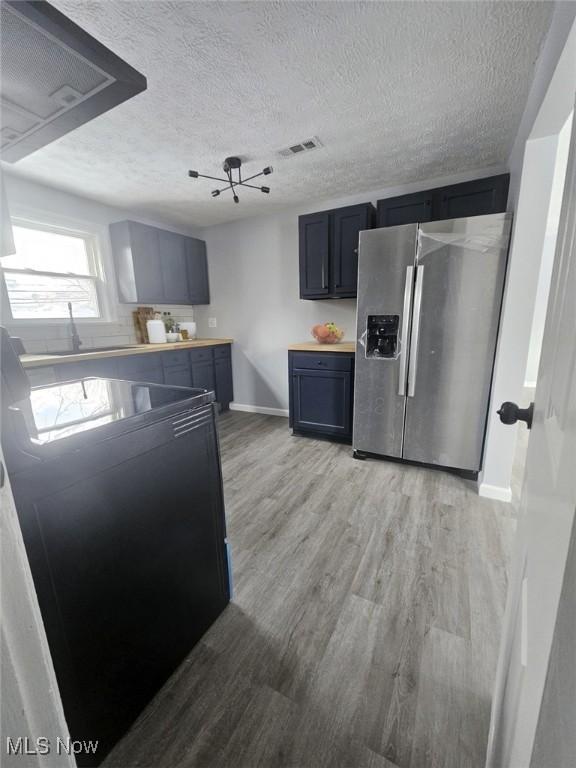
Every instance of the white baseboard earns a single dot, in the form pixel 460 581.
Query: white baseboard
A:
pixel 495 492
pixel 259 409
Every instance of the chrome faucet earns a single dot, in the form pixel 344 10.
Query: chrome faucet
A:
pixel 76 342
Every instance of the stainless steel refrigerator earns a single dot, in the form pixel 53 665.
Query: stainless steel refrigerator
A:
pixel 429 300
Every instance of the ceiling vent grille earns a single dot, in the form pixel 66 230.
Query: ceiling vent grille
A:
pixel 302 146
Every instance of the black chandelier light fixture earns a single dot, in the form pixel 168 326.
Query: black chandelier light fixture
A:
pixel 229 165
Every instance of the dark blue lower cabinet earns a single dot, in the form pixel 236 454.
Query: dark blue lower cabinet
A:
pixel 206 367
pixel 144 367
pixel 203 375
pixel 178 376
pixel 224 387
pixel 321 395
pixel 106 368
pixel 151 375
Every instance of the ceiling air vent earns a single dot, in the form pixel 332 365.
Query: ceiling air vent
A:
pixel 303 146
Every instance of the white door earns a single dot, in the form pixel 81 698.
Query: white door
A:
pixel 545 528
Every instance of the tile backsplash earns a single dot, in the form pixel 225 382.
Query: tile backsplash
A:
pixel 44 338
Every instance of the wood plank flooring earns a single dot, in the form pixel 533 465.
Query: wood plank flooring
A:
pixel 364 628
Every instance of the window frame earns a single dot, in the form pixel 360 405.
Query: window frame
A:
pixel 97 263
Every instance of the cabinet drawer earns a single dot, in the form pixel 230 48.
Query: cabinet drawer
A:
pixel 201 355
pixel 223 350
pixel 176 357
pixel 322 361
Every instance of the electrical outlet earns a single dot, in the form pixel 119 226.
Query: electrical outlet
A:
pixel 212 322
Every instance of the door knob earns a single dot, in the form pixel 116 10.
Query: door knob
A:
pixel 510 413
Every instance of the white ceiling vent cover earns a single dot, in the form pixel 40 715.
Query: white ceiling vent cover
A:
pixel 300 147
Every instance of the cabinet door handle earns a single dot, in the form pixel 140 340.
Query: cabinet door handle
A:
pixel 324 281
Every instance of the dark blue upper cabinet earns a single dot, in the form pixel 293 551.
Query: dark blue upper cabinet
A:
pixel 405 209
pixel 328 249
pixel 137 261
pixel 347 223
pixel 314 247
pixel 197 275
pixel 157 266
pixel 470 198
pixel 172 248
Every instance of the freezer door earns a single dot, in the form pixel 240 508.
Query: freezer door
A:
pixel 385 284
pixel 460 272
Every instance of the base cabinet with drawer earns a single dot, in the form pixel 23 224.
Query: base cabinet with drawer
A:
pixel 321 389
pixel 207 367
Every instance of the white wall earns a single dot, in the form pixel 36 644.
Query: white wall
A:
pixel 31 200
pixel 535 193
pixel 254 288
pixel 560 25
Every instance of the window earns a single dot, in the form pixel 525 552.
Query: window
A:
pixel 50 268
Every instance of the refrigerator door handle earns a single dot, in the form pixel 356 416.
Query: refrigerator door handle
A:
pixel 408 285
pixel 413 360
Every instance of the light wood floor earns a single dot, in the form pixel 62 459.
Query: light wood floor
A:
pixel 365 623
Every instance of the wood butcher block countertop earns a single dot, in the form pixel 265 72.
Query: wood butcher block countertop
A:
pixel 33 361
pixel 313 346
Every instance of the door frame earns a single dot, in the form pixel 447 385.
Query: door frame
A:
pixel 524 263
pixel 520 727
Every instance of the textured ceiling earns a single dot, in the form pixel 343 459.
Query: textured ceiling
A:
pixel 397 92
